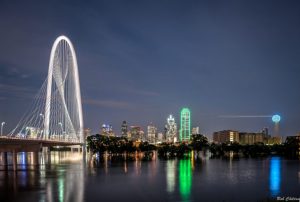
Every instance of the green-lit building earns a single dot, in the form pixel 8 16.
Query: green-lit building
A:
pixel 185 125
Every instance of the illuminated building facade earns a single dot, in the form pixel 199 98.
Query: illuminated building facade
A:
pixel 226 136
pixel 265 131
pixel 274 140
pixel 160 138
pixel 136 133
pixel 185 125
pixel 171 129
pixel 252 138
pixel 195 131
pixel 151 133
pixel 107 130
pixel 124 129
pixel 244 138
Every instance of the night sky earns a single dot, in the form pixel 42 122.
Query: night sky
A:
pixel 140 61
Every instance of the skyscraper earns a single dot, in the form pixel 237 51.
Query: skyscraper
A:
pixel 171 126
pixel 124 129
pixel 195 131
pixel 136 133
pixel 107 130
pixel 185 124
pixel 151 133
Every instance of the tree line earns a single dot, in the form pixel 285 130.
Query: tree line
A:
pixel 120 145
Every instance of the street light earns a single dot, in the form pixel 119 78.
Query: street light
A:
pixel 2 124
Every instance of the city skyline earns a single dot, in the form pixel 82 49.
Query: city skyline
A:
pixel 132 63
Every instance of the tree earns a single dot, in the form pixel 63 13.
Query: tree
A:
pixel 292 146
pixel 199 142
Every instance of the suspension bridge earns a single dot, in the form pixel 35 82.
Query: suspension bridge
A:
pixel 55 116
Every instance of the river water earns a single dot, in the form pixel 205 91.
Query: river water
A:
pixel 66 176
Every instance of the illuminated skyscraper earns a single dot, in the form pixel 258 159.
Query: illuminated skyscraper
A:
pixel 124 129
pixel 152 130
pixel 107 130
pixel 171 127
pixel 195 131
pixel 136 133
pixel 160 138
pixel 185 124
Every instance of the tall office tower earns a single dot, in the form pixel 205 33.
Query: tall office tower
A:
pixel 195 131
pixel 265 131
pixel 136 133
pixel 185 125
pixel 171 127
pixel 107 130
pixel 160 138
pixel 152 130
pixel 124 129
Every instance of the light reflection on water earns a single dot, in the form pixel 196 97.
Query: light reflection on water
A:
pixel 60 176
pixel 275 176
pixel 185 178
pixel 171 176
pixel 64 176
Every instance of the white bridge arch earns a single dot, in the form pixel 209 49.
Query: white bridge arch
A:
pixel 63 62
pixel 57 110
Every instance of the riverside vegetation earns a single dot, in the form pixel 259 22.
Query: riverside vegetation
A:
pixel 120 146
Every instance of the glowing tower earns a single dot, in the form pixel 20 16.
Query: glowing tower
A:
pixel 276 119
pixel 171 126
pixel 185 125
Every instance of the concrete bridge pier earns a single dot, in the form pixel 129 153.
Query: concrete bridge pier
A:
pixel 4 158
pixel 14 160
pixel 35 159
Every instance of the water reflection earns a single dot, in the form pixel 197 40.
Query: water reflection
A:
pixel 58 181
pixel 62 176
pixel 185 179
pixel 61 189
pixel 275 176
pixel 171 176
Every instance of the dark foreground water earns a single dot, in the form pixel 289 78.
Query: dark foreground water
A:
pixel 66 176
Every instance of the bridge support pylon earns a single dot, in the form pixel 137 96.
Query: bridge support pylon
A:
pixel 35 159
pixel 4 160
pixel 14 160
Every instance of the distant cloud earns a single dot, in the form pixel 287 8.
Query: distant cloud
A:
pixel 143 92
pixel 108 103
pixel 25 76
pixel 16 91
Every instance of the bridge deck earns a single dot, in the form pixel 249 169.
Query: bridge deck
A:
pixel 10 144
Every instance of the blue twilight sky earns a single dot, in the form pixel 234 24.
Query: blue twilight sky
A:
pixel 140 61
